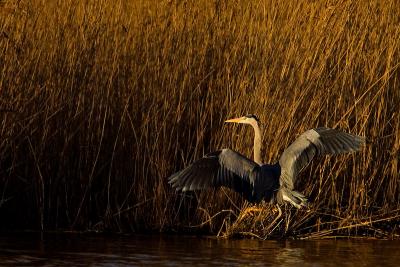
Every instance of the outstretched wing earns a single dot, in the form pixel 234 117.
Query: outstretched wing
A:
pixel 314 142
pixel 221 168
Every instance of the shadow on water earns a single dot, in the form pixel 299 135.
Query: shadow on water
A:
pixel 30 249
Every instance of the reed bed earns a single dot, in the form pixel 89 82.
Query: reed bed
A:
pixel 100 101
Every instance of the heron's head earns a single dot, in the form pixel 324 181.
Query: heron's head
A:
pixel 248 119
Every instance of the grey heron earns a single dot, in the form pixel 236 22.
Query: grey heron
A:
pixel 257 181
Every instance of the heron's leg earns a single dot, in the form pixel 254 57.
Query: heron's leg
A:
pixel 272 224
pixel 275 209
pixel 278 208
pixel 250 211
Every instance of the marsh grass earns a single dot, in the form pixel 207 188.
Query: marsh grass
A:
pixel 100 101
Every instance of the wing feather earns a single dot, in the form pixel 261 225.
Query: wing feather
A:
pixel 315 142
pixel 221 168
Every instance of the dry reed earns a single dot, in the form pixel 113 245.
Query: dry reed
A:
pixel 100 101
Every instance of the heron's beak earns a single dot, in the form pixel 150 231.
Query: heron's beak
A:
pixel 237 120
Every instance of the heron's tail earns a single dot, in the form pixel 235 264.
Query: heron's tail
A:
pixel 295 198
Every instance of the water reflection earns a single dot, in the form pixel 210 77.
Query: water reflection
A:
pixel 30 249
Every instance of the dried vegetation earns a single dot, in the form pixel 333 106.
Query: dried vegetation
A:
pixel 100 101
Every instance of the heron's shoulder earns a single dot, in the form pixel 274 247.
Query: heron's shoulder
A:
pixel 311 134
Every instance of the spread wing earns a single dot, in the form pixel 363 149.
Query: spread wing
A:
pixel 314 142
pixel 221 168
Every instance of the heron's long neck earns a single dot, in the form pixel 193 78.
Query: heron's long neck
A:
pixel 257 143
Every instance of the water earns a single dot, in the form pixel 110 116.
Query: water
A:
pixel 29 249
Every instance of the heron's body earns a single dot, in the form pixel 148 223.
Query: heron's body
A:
pixel 256 181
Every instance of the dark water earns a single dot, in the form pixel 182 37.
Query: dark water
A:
pixel 27 249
